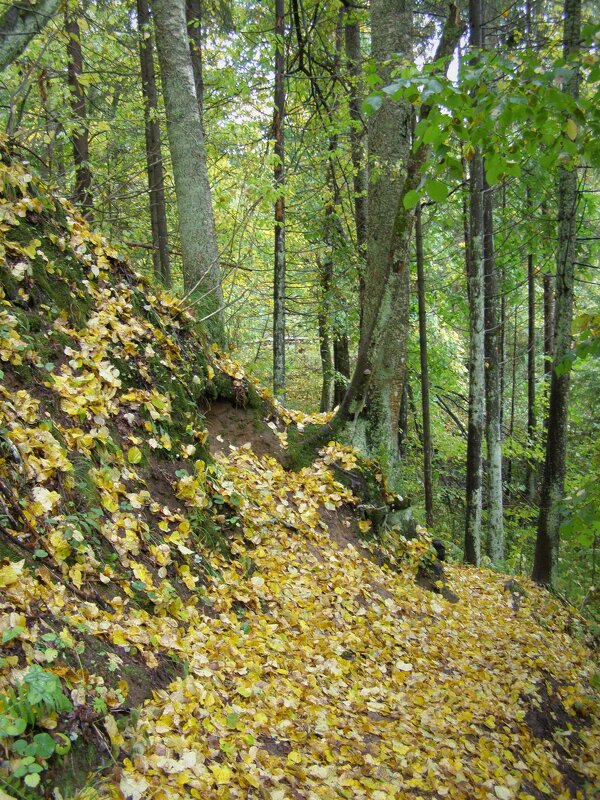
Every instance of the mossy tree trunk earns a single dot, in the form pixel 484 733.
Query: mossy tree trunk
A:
pixel 20 23
pixel 201 269
pixel 370 410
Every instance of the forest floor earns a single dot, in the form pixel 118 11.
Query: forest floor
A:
pixel 183 617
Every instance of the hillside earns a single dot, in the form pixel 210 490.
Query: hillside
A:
pixel 182 616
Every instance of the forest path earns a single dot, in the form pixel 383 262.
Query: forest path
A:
pixel 325 675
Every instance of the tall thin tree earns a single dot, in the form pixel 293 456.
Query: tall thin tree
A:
pixel 427 473
pixel 545 567
pixel 475 280
pixel 279 272
pixel 80 137
pixel 154 162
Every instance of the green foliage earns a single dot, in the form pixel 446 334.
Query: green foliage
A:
pixel 38 694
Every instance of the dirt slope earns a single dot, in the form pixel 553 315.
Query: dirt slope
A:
pixel 182 617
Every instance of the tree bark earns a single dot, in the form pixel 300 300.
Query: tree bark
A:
pixel 201 269
pixel 427 476
pixel 20 23
pixel 156 185
pixel 531 351
pixel 493 431
pixel 357 143
pixel 194 22
pixel 82 195
pixel 545 567
pixel 371 407
pixel 475 280
pixel 323 317
pixel 279 274
pixel 341 365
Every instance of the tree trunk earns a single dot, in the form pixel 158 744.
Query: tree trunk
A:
pixel 20 23
pixel 194 21
pixel 493 431
pixel 80 137
pixel 156 187
pixel 475 280
pixel 357 140
pixel 371 407
pixel 200 256
pixel 341 365
pixel 549 283
pixel 531 417
pixel 545 567
pixel 427 477
pixel 279 276
pixel 323 315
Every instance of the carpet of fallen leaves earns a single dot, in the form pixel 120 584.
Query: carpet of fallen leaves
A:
pixel 309 669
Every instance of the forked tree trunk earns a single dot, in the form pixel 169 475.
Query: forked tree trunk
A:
pixel 156 185
pixel 82 195
pixel 545 567
pixel 427 477
pixel 201 269
pixel 279 272
pixel 371 407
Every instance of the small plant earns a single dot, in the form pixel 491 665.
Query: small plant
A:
pixel 39 694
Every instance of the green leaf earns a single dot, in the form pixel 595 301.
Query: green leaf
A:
pixel 44 745
pixel 410 199
pixel 437 191
pixel 32 779
pixel 12 633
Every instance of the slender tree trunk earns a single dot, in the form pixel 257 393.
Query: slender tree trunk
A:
pixel 531 350
pixel 279 274
pixel 493 431
pixel 475 279
pixel 341 364
pixel 326 277
pixel 193 10
pixel 156 186
pixel 513 395
pixel 80 137
pixel 548 323
pixel 357 140
pixel 545 567
pixel 427 477
pixel 403 419
pixel 502 349
pixel 201 269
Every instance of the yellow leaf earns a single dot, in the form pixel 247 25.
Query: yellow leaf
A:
pixel 571 130
pixel 364 525
pixel 11 573
pixel 222 773
pixel 134 455
pixel 116 739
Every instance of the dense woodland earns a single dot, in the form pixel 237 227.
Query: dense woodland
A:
pixel 365 233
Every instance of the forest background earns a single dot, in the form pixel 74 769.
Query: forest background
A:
pixel 305 107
